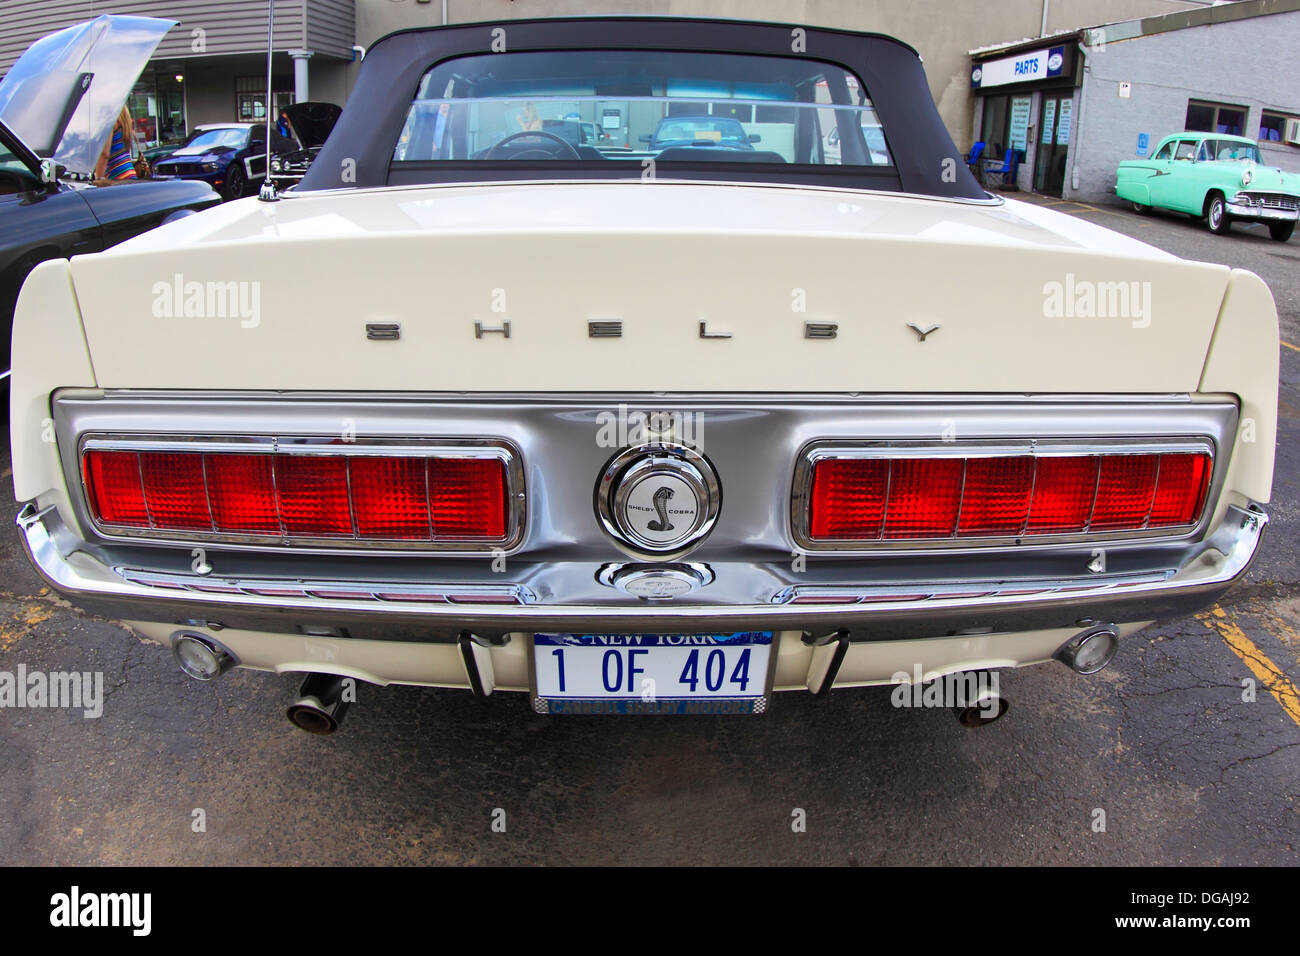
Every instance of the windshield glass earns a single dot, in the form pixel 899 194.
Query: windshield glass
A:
pixel 211 139
pixel 1226 151
pixel 603 106
pixel 13 166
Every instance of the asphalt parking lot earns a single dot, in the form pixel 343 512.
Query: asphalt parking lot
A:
pixel 1184 770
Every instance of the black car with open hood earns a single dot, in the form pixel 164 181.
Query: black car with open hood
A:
pixel 58 105
pixel 310 123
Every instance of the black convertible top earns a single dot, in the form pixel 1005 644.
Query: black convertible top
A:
pixel 359 151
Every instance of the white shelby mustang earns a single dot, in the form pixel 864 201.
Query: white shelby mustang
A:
pixel 985 446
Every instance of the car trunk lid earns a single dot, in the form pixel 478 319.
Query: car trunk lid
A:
pixel 714 288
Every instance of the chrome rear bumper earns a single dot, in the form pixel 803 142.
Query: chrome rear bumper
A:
pixel 868 613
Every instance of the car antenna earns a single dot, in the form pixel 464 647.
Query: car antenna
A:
pixel 267 192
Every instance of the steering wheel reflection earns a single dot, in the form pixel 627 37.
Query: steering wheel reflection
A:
pixel 542 150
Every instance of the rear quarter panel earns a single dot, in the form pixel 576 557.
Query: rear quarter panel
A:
pixel 1130 182
pixel 1243 360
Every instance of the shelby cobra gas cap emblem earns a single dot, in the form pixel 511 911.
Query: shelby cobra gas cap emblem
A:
pixel 659 499
pixel 659 508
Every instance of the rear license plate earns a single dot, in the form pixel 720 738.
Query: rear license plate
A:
pixel 651 673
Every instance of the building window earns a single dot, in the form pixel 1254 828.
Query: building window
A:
pixel 1215 118
pixel 1272 126
pixel 250 97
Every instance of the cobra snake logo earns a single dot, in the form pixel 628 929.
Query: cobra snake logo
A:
pixel 660 502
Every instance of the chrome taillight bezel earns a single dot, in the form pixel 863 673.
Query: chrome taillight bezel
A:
pixel 317 445
pixel 813 452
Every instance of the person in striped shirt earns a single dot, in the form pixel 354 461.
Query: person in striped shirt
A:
pixel 117 162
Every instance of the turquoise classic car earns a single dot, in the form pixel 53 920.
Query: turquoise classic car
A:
pixel 1212 176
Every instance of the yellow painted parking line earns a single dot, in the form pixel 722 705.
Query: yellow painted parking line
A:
pixel 1293 348
pixel 1078 204
pixel 1268 673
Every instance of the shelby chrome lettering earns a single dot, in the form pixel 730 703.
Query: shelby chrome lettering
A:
pixel 613 329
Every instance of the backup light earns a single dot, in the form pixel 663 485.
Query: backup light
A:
pixel 200 658
pixel 1091 651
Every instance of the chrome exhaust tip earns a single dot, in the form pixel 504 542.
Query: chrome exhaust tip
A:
pixel 987 707
pixel 199 656
pixel 1088 652
pixel 320 706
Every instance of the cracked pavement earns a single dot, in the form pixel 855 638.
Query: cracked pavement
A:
pixel 1185 771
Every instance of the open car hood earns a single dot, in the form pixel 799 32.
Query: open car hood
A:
pixel 65 92
pixel 312 122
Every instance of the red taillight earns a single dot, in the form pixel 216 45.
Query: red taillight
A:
pixel 467 497
pixel 174 491
pixel 924 498
pixel 995 498
pixel 1125 487
pixel 391 497
pixel 114 489
pixel 313 494
pixel 1180 490
pixel 1064 490
pixel 848 498
pixel 367 497
pixel 873 499
pixel 242 491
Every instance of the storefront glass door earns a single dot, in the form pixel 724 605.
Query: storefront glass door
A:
pixel 1054 128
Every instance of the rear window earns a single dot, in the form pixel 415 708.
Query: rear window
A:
pixel 637 105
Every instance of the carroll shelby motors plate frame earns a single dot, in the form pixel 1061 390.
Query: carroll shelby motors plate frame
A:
pixel 652 673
